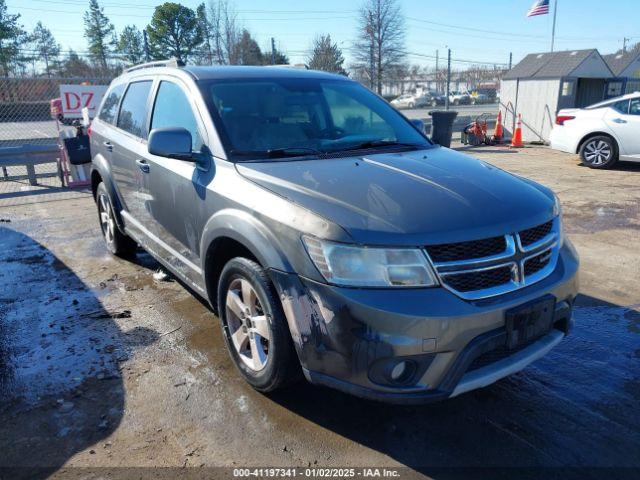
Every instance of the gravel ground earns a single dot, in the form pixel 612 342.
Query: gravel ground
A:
pixel 103 366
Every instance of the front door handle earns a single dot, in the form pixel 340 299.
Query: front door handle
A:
pixel 108 146
pixel 143 165
pixel 619 120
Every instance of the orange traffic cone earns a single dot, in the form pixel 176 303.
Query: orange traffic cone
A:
pixel 498 133
pixel 516 141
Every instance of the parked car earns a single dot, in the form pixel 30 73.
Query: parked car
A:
pixel 490 92
pixel 410 100
pixel 601 134
pixel 434 98
pixel 459 98
pixel 330 235
pixel 479 99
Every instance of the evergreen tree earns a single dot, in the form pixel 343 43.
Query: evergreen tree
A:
pixel 45 46
pixel 12 35
pixel 174 32
pixel 326 56
pixel 131 45
pixel 99 32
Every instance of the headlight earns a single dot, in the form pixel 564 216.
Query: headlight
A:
pixel 557 207
pixel 354 266
pixel 557 212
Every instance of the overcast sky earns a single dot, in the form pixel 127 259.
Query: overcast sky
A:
pixel 480 31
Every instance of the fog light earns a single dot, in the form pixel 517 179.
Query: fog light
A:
pixel 398 371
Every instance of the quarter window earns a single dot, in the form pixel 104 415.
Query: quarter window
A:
pixel 133 111
pixel 172 109
pixel 109 110
pixel 634 107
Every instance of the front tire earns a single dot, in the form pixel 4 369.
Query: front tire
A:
pixel 599 152
pixel 254 326
pixel 117 242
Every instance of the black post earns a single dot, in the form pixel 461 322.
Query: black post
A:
pixel 446 99
pixel 510 59
pixel 146 46
pixel 273 51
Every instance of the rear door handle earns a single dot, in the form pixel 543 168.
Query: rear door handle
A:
pixel 143 165
pixel 108 146
pixel 619 120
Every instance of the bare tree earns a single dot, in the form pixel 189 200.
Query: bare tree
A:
pixel 379 48
pixel 224 32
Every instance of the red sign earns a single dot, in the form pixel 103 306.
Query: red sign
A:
pixel 76 97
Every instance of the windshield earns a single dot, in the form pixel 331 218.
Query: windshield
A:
pixel 270 118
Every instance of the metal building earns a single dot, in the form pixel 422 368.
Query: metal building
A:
pixel 626 69
pixel 543 83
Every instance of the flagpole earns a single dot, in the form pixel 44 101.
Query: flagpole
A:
pixel 553 29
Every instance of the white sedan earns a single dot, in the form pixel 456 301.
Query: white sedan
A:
pixel 603 133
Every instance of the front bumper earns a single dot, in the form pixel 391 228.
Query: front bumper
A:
pixel 346 337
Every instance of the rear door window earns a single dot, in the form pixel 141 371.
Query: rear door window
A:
pixel 109 111
pixel 172 109
pixel 133 111
pixel 621 106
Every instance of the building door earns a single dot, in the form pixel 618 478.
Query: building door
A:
pixel 589 91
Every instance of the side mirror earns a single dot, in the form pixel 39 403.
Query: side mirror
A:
pixel 171 142
pixel 419 124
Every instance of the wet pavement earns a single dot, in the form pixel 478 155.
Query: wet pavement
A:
pixel 103 366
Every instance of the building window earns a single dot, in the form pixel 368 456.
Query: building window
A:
pixel 567 89
pixel 614 89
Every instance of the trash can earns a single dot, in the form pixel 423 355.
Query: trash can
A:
pixel 442 126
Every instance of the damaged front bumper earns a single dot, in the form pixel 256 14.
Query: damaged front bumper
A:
pixel 354 339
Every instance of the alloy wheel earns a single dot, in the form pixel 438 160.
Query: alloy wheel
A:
pixel 248 324
pixel 107 222
pixel 597 152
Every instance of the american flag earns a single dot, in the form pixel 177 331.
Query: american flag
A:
pixel 539 7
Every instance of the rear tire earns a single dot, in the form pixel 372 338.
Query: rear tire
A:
pixel 254 327
pixel 117 242
pixel 599 152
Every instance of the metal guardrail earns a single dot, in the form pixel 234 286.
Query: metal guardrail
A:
pixel 28 156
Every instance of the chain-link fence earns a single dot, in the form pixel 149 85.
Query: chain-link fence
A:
pixel 26 123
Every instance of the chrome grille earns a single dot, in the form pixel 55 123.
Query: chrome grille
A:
pixel 452 252
pixel 479 280
pixel 537 263
pixel 493 266
pixel 533 235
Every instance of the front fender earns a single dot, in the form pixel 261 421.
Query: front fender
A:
pixel 250 232
pixel 100 165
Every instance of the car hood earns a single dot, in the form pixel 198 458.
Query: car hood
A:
pixel 435 195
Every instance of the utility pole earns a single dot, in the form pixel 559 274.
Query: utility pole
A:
pixel 510 60
pixel 146 45
pixel 624 44
pixel 446 99
pixel 273 51
pixel 437 58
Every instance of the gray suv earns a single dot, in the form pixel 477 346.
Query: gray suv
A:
pixel 330 235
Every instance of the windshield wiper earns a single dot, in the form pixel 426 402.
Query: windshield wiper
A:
pixel 380 143
pixel 278 152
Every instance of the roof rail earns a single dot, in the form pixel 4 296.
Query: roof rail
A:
pixel 172 62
